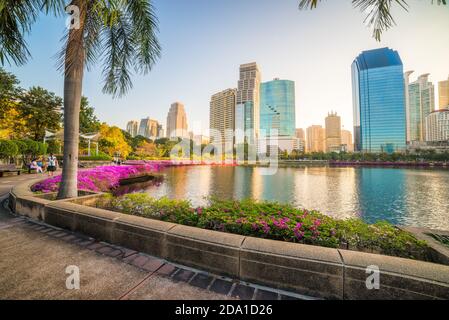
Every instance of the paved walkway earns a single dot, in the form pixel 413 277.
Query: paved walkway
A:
pixel 34 258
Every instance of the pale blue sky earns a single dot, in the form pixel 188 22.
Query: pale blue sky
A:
pixel 205 41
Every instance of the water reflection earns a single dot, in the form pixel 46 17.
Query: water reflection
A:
pixel 402 196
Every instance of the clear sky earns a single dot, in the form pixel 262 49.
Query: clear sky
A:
pixel 205 41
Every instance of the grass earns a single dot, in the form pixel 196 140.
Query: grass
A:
pixel 272 220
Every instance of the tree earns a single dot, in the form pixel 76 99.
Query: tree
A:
pixel 378 12
pixel 120 33
pixel 113 142
pixel 146 150
pixel 41 110
pixel 89 123
pixel 11 122
pixel 8 149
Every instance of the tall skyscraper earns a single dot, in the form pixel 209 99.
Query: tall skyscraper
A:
pixel 443 92
pixel 132 127
pixel 333 132
pixel 150 128
pixel 346 140
pixel 177 121
pixel 277 107
pixel 221 116
pixel 420 102
pixel 379 101
pixel 438 126
pixel 247 110
pixel 316 136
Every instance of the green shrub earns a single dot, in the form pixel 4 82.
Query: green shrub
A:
pixel 8 149
pixel 275 221
pixel 21 146
pixel 100 157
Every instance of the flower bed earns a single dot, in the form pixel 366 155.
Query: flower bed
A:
pixel 274 221
pixel 100 179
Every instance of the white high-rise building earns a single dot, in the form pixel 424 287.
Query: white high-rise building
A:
pixel 420 102
pixel 221 117
pixel 132 127
pixel 437 126
pixel 247 110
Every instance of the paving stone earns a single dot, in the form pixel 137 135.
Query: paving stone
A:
pixel 69 237
pixel 167 270
pixel 126 252
pixel 286 297
pixel 152 264
pixel 104 250
pixel 243 292
pixel 47 230
pixel 53 232
pixel 84 243
pixel 140 261
pixel 221 286
pixel 114 253
pixel 201 281
pixel 95 246
pixel 265 295
pixel 183 275
pixel 129 259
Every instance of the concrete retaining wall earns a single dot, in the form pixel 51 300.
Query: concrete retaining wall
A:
pixel 310 270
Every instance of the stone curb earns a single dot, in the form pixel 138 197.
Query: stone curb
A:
pixel 309 270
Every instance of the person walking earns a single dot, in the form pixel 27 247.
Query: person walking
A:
pixel 52 164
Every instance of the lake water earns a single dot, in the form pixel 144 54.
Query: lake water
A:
pixel 418 197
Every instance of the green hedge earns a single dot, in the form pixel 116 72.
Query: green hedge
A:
pixel 275 221
pixel 8 149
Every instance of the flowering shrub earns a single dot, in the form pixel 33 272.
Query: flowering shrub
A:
pixel 99 179
pixel 276 221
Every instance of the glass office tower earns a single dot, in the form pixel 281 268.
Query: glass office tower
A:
pixel 277 107
pixel 379 101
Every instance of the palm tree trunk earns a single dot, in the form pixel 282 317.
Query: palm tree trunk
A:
pixel 73 81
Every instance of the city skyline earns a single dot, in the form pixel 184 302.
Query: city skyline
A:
pixel 194 83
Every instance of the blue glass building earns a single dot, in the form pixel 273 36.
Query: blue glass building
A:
pixel 277 107
pixel 379 102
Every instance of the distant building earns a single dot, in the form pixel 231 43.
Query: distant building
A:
pixel 177 121
pixel 277 107
pixel 150 128
pixel 443 92
pixel 346 141
pixel 221 116
pixel 379 101
pixel 132 127
pixel 333 133
pixel 247 110
pixel 437 124
pixel 420 102
pixel 300 134
pixel 315 139
pixel 284 143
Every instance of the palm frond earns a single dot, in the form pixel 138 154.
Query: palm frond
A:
pixel 378 12
pixel 16 18
pixel 128 40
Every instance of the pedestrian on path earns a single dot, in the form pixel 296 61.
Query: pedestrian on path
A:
pixel 52 164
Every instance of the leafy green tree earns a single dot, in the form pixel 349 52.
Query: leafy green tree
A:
pixel 11 122
pixel 41 110
pixel 89 122
pixel 8 149
pixel 378 12
pixel 119 33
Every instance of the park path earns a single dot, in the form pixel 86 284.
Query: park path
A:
pixel 34 258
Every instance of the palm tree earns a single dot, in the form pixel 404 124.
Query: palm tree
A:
pixel 378 12
pixel 121 34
